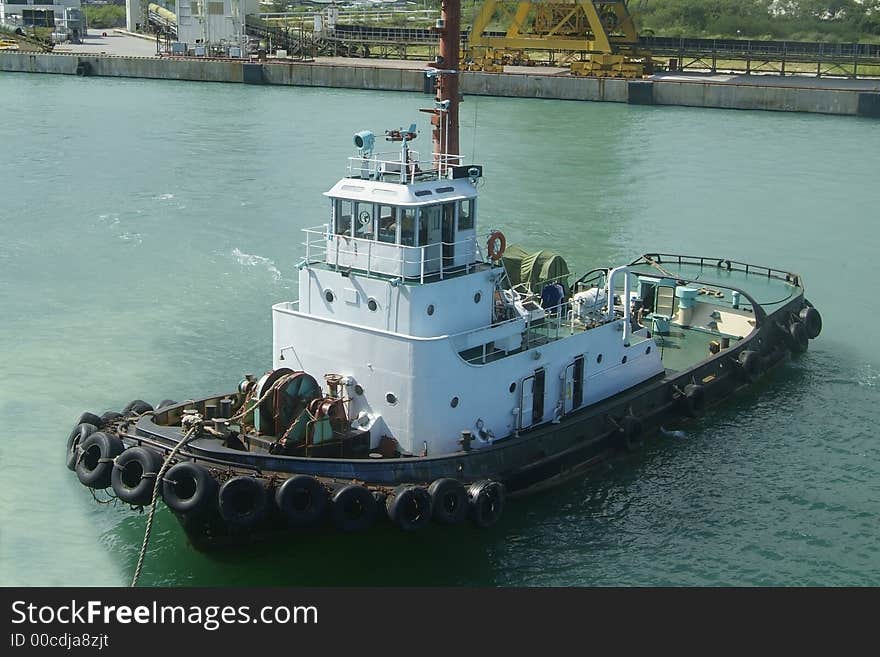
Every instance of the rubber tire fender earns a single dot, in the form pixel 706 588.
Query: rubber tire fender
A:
pixel 486 502
pixel 149 462
pixel 353 508
pixel 449 501
pixel 750 364
pixel 136 407
pixel 89 418
pixel 243 502
pixel 186 476
pixel 812 321
pixel 409 507
pixel 799 339
pixel 79 433
pixel 302 500
pixel 694 399
pixel 631 430
pixel 110 416
pixel 94 463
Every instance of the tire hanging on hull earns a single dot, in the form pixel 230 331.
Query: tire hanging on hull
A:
pixel 95 460
pixel 409 507
pixel 449 501
pixel 134 475
pixel 189 489
pixel 486 502
pixel 353 509
pixel 302 500
pixel 80 432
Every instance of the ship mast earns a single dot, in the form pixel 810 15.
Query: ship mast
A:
pixel 445 117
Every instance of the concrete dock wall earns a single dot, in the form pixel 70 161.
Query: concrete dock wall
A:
pixel 728 95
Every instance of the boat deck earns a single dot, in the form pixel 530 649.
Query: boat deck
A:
pixel 683 347
pixel 767 286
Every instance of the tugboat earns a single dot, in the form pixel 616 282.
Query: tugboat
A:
pixel 426 373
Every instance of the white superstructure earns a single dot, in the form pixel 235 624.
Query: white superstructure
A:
pixel 397 298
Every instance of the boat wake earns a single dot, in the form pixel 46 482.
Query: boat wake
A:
pixel 255 261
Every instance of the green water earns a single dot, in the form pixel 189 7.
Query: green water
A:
pixel 146 227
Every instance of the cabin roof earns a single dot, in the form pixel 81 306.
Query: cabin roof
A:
pixel 428 192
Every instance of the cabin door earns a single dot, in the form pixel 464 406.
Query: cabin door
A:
pixel 573 385
pixel 531 399
pixel 432 236
pixel 448 231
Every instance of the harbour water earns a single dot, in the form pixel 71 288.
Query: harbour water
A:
pixel 146 227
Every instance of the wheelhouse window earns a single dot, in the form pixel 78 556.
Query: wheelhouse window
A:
pixel 466 215
pixel 388 224
pixel 429 221
pixel 408 226
pixel 363 224
pixel 342 219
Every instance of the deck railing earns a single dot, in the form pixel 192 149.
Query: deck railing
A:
pixel 391 259
pixel 724 264
pixel 380 166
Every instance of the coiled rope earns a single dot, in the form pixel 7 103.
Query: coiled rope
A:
pixel 156 485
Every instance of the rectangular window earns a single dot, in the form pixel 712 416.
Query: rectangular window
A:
pixel 429 220
pixel 466 215
pixel 408 226
pixel 363 224
pixel 215 8
pixel 387 224
pixel 343 218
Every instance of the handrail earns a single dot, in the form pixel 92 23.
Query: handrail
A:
pixel 724 264
pixel 372 166
pixel 317 248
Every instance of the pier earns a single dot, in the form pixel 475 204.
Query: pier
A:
pixel 841 96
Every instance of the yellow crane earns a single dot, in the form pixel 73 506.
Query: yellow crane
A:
pixel 602 32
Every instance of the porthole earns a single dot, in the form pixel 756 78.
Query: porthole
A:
pixel 454 402
pixel 391 398
pixel 328 294
pixel 372 305
pixel 478 297
pixel 512 387
pixel 359 389
pixel 647 350
pixel 430 309
pixel 623 360
pixel 599 358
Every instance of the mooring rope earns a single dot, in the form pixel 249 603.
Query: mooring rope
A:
pixel 156 484
pixel 244 411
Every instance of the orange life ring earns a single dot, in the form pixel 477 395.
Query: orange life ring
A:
pixel 495 245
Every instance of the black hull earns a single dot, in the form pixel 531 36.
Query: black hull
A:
pixel 535 460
